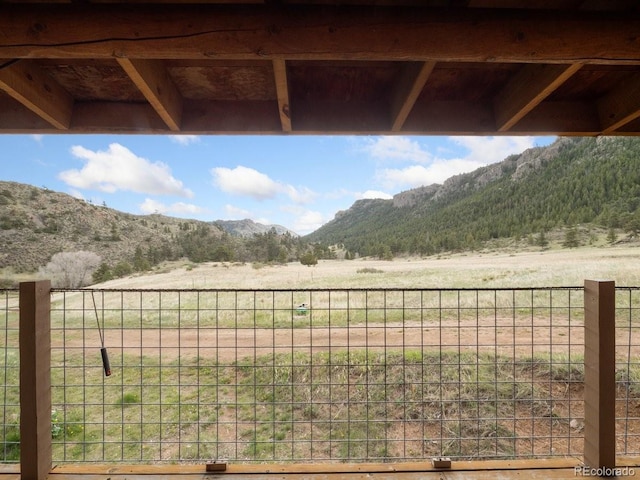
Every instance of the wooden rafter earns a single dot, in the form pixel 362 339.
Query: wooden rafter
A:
pixel 412 81
pixel 527 89
pixel 151 77
pixel 33 88
pixel 282 89
pixel 621 105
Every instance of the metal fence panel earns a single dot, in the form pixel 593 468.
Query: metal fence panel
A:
pixel 340 375
pixel 9 378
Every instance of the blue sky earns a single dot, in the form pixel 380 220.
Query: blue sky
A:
pixel 298 182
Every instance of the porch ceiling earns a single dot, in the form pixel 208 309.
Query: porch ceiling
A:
pixel 455 67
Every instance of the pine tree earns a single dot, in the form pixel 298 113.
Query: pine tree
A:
pixel 542 241
pixel 571 238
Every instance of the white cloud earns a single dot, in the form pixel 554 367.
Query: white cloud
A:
pixel 486 150
pixel 308 221
pixel 418 175
pixel 76 194
pixel 236 213
pixel 186 208
pixel 397 148
pixel 153 206
pixel 371 194
pixel 119 168
pixel 184 139
pixel 425 169
pixel 37 137
pixel 248 182
pixel 245 181
pixel 300 195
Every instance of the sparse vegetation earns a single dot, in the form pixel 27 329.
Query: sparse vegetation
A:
pixel 309 259
pixel 369 270
pixel 71 269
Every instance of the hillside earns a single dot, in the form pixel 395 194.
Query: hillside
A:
pixel 572 182
pixel 36 223
pixel 248 228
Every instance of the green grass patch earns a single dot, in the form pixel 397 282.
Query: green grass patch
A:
pixel 350 405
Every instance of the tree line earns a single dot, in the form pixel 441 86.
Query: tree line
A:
pixel 588 181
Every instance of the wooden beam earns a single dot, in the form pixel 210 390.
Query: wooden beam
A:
pixel 527 89
pixel 620 106
pixel 600 374
pixel 282 89
pixel 33 88
pixel 115 117
pixel 560 118
pixel 153 80
pixel 413 78
pixel 337 471
pixel 231 117
pixel 318 33
pixel 330 117
pixel 451 118
pixel 35 380
pixel 16 118
pixel 259 117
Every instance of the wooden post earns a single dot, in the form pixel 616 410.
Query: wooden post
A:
pixel 35 380
pixel 599 374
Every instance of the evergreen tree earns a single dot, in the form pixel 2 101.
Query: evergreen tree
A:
pixel 541 240
pixel 102 273
pixel 571 238
pixel 308 259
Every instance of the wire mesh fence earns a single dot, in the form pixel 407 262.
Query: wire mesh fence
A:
pixel 9 376
pixel 353 375
pixel 628 371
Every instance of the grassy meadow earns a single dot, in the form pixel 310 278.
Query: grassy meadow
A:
pixel 245 377
pixel 492 269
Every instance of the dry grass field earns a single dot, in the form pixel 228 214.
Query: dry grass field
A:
pixel 563 267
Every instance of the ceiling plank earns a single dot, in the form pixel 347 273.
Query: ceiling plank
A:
pixel 450 118
pixel 560 118
pixel 330 117
pixel 117 117
pixel 282 89
pixel 153 80
pixel 33 88
pixel 530 86
pixel 318 33
pixel 231 117
pixel 412 80
pixel 620 106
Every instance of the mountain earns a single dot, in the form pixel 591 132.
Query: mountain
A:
pixel 248 228
pixel 572 181
pixel 36 223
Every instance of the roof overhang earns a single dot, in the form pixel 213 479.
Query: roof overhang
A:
pixel 476 67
